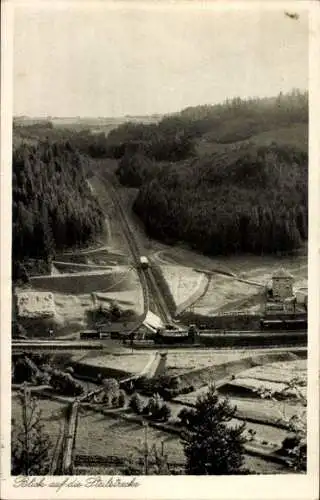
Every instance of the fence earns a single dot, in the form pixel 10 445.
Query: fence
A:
pixel 69 439
pixel 115 460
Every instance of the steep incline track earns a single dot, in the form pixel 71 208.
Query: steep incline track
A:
pixel 148 282
pixel 131 240
pixel 160 303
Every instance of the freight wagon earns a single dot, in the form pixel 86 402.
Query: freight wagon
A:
pixel 284 324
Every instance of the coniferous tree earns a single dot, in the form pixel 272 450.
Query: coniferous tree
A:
pixel 211 445
pixel 30 445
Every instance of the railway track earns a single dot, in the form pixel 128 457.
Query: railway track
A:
pixel 131 240
pixel 147 280
pixel 256 339
pixel 161 305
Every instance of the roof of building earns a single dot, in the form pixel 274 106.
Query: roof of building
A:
pixel 282 273
pixel 152 321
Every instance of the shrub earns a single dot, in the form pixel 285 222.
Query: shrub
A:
pixel 115 401
pixel 65 384
pixel 153 406
pixel 122 398
pixel 164 412
pixel 111 385
pixel 42 378
pixel 176 382
pixel 129 387
pixel 136 403
pixel 290 442
pixel 172 393
pixel 185 415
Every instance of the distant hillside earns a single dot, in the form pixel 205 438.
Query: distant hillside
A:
pixel 225 179
pixel 234 120
pixel 87 134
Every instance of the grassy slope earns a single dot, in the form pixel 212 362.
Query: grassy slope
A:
pixel 296 136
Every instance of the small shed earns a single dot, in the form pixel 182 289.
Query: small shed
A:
pixel 282 284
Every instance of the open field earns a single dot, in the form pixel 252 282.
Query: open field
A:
pixel 295 135
pixel 129 363
pixel 256 409
pixel 279 372
pixel 74 296
pixel 108 435
pixel 118 279
pixel 255 267
pixel 273 376
pixel 177 361
pixel 72 312
pixel 185 284
pixel 229 292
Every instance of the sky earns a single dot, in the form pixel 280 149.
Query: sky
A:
pixel 114 60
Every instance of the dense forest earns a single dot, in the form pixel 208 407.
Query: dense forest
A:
pixel 205 177
pixel 242 197
pixel 254 200
pixel 52 205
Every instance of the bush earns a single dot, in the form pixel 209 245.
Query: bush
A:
pixel 122 399
pixel 65 384
pixel 176 382
pixel 173 393
pixel 153 406
pixel 164 412
pixel 43 378
pixel 115 401
pixel 111 391
pixel 290 442
pixel 185 415
pixel 129 387
pixel 136 403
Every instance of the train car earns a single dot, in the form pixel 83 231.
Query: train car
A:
pixel 284 324
pixel 144 263
pixel 296 324
pixel 272 324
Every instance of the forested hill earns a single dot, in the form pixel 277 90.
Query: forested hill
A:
pixel 178 136
pixel 53 207
pixel 234 177
pixel 250 200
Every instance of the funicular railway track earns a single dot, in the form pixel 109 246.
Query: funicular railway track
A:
pixel 131 241
pixel 147 280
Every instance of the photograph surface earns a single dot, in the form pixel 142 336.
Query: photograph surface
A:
pixel 159 278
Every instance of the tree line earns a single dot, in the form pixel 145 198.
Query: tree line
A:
pixel 174 138
pixel 52 205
